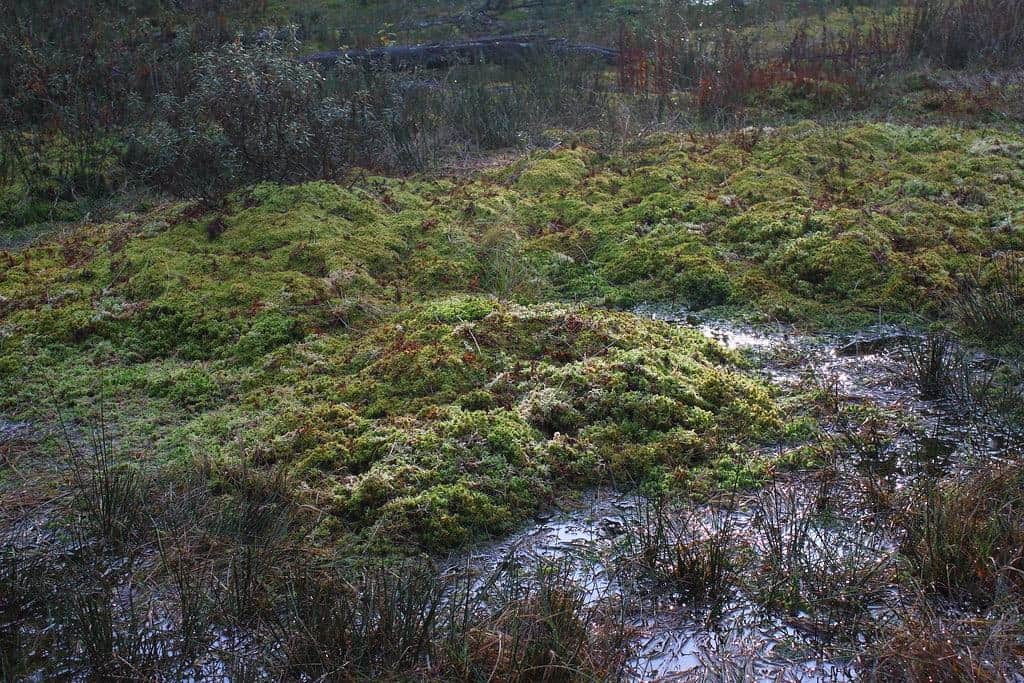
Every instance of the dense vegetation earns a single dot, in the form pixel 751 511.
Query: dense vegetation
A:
pixel 100 99
pixel 275 339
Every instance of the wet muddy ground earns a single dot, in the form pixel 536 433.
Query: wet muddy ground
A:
pixel 827 525
pixel 795 577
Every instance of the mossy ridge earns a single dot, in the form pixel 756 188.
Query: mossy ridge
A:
pixel 255 305
pixel 802 222
pixel 275 264
pixel 801 219
pixel 461 416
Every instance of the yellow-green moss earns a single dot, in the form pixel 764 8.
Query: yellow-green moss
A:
pixel 562 171
pixel 344 332
pixel 460 416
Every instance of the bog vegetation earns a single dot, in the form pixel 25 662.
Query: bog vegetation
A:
pixel 283 343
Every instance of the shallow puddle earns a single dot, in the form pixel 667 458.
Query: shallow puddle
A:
pixel 744 636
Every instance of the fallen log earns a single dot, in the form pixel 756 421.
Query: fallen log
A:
pixel 493 50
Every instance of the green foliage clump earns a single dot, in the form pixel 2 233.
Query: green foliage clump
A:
pixel 441 428
pixel 360 335
pixel 552 174
pixel 189 387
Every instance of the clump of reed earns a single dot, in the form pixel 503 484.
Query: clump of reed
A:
pixel 690 549
pixel 964 537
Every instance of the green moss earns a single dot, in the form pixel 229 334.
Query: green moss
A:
pixel 754 185
pixel 835 266
pixel 552 174
pixel 442 516
pixel 805 96
pixel 360 335
pixel 266 333
pixel 879 215
pixel 435 416
pixel 457 309
pixel 189 387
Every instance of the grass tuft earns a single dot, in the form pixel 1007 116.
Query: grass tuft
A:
pixel 965 536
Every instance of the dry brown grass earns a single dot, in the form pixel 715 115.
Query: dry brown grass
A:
pixel 965 536
pixel 930 646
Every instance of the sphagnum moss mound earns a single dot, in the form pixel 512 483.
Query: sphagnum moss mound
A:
pixel 326 309
pixel 801 222
pixel 462 416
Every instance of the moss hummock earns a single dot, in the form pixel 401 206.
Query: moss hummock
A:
pixel 434 358
pixel 463 415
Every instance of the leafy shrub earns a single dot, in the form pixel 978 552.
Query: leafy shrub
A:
pixel 253 112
